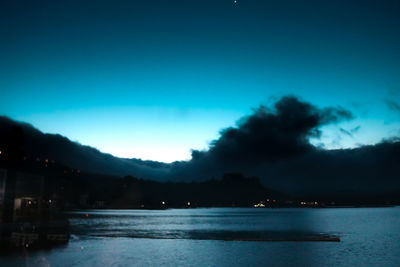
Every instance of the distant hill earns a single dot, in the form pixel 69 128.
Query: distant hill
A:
pixel 35 143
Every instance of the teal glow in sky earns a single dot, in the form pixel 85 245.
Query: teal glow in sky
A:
pixel 154 79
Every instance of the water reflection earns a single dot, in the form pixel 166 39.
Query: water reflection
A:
pixel 197 238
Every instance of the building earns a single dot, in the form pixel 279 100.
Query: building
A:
pixel 27 214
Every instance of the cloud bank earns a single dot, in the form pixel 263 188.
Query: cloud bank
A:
pixel 273 143
pixel 272 135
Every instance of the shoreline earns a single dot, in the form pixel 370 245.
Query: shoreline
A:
pixel 250 207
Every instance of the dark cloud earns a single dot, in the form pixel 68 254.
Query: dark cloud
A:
pixel 271 135
pixel 272 144
pixel 370 169
pixel 59 148
pixel 355 129
pixel 348 133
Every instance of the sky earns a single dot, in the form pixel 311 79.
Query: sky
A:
pixel 155 79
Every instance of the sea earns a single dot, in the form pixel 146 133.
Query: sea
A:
pixel 225 237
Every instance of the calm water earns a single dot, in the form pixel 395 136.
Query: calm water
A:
pixel 220 237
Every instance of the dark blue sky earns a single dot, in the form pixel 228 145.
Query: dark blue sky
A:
pixel 153 79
